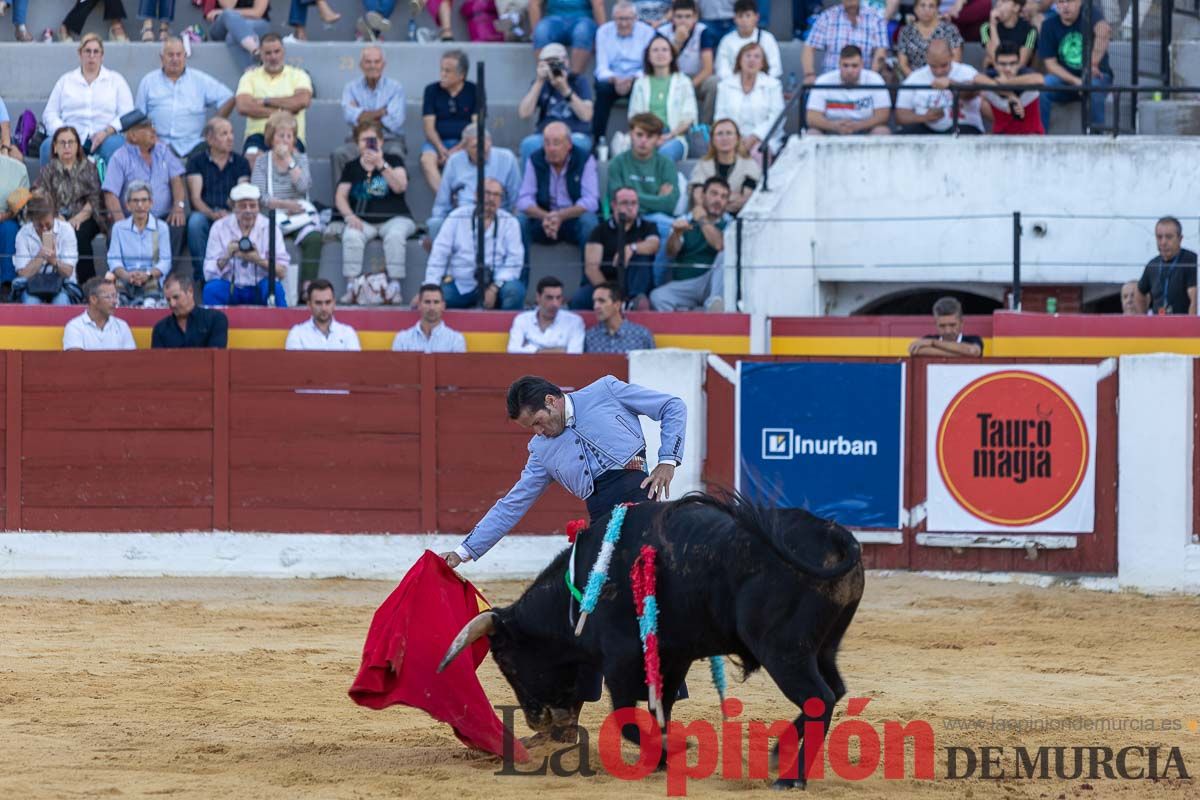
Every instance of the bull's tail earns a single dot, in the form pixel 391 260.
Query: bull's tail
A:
pixel 763 523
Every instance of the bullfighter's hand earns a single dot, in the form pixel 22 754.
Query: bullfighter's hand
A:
pixel 659 481
pixel 452 559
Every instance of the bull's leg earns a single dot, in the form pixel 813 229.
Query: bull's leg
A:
pixel 799 678
pixel 827 656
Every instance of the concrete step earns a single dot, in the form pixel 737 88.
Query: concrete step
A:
pixel 1170 118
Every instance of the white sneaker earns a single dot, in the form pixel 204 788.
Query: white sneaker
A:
pixel 393 296
pixel 291 39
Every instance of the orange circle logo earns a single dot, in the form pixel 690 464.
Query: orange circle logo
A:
pixel 1012 448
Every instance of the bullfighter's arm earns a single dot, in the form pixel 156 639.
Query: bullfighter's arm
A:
pixel 507 511
pixel 664 408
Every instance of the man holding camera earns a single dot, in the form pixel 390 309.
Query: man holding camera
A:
pixel 236 262
pixel 557 95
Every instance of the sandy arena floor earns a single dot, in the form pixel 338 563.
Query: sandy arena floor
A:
pixel 237 688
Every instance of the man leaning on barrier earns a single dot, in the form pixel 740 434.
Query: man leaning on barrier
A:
pixel 950 340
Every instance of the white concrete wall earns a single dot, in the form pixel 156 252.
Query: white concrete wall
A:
pixel 785 264
pixel 681 373
pixel 1154 475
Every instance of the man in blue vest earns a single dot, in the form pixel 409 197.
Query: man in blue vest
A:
pixel 559 194
pixel 589 441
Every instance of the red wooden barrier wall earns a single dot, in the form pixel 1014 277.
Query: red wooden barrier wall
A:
pixel 1095 553
pixel 269 440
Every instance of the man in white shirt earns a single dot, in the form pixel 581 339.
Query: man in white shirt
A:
pixel 843 111
pixel 620 46
pixel 321 331
pixel 549 328
pixel 925 111
pixel 97 328
pixel 430 335
pixel 452 260
pixel 745 16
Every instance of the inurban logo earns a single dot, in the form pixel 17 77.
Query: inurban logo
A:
pixel 777 443
pixel 784 444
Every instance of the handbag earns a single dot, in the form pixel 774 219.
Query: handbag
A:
pixel 45 285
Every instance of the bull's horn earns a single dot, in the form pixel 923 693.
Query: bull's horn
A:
pixel 482 625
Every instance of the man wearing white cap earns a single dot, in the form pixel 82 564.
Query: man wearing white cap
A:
pixel 236 261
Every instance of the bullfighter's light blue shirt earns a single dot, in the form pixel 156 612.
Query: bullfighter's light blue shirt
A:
pixel 603 433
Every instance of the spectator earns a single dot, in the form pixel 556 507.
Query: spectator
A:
pixel 1014 113
pixel 745 14
pixel 452 261
pixel 696 246
pixel 72 24
pixel 14 186
pixel 1006 25
pixel 752 99
pixel 370 197
pixel 694 47
pixel 717 16
pixel 178 100
pixel 321 331
pixel 949 340
pixel 1168 283
pixel 966 15
pixel 558 96
pixel 624 240
pixel 570 23
pixel 649 173
pixel 430 335
pixel 96 328
pixel 726 158
pixel 139 254
pixel 665 92
pixel 549 328
pixel 916 36
pixel 240 23
pixel 460 177
pixel 147 160
pixel 620 50
pixel 235 263
pixel 20 13
pixel 1131 300
pixel 845 111
pixel 1061 48
pixel 45 247
pixel 283 180
pixel 188 325
pixel 559 192
pixel 298 16
pixel 851 22
pixel 272 87
pixel 74 184
pixel 932 110
pixel 92 100
pixel 211 175
pixel 450 105
pixel 612 333
pixel 161 10
pixel 373 96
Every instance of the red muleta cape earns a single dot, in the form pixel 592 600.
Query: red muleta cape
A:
pixel 409 634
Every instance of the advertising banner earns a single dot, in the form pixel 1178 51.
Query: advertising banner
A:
pixel 825 437
pixel 1011 448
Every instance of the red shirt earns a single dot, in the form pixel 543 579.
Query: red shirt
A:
pixel 1004 122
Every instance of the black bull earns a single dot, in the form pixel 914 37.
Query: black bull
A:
pixel 776 588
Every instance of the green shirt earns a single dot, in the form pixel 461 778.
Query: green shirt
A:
pixel 696 250
pixel 645 178
pixel 659 89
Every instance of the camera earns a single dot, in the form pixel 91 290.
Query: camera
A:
pixel 557 68
pixel 245 245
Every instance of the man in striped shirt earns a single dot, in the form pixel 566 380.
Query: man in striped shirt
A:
pixel 430 335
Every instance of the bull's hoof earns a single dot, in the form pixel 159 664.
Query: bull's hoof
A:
pixel 788 783
pixel 556 736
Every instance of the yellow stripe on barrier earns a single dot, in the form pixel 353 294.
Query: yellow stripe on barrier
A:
pixel 848 346
pixel 1092 346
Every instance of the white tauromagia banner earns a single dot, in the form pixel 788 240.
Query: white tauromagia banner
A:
pixel 1011 448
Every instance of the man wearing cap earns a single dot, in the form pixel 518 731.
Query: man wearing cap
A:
pixel 557 95
pixel 236 262
pixel 144 158
pixel 14 194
